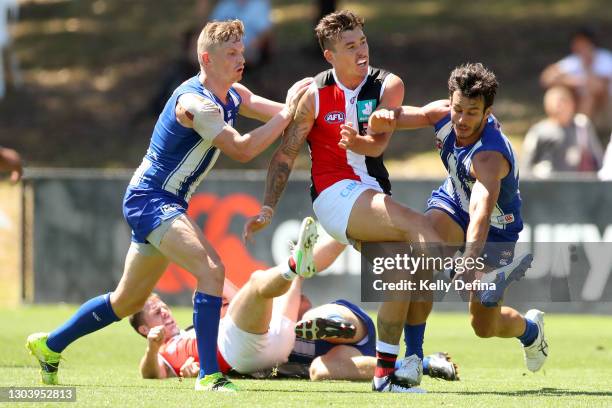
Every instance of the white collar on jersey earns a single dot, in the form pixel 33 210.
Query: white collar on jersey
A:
pixel 347 90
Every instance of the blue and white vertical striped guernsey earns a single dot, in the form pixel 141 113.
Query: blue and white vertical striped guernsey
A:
pixel 176 162
pixel 178 158
pixel 506 216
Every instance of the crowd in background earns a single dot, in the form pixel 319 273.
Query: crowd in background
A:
pixel 578 106
pixel 577 88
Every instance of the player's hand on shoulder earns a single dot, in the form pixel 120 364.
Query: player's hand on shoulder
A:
pixel 348 135
pixel 295 93
pixel 382 121
pixel 257 223
pixel 190 368
pixel 156 336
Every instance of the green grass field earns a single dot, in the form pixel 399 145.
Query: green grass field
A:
pixel 104 368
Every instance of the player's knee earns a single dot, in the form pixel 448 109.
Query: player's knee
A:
pixel 482 329
pixel 124 305
pixel 318 371
pixel 214 272
pixel 255 277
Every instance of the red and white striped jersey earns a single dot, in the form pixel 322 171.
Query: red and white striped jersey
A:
pixel 176 350
pixel 334 105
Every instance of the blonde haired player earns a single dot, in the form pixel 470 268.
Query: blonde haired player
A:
pixel 195 126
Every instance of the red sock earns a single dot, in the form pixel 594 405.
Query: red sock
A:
pixel 385 364
pixel 292 264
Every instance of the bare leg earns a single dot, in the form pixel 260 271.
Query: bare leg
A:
pixel 185 244
pixel 140 276
pixel 500 321
pixel 376 217
pixel 391 319
pixel 343 362
pixel 486 321
pixel 326 252
pixel 251 308
pixel 288 305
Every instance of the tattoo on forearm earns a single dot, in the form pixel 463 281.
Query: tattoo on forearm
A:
pixel 278 174
pixel 297 131
pixel 282 161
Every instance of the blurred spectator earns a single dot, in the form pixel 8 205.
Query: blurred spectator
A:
pixel 563 142
pixel 255 15
pixel 606 169
pixel 588 72
pixel 202 10
pixel 324 7
pixel 9 10
pixel 10 161
pixel 183 68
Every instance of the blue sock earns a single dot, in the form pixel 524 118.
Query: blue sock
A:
pixel 206 315
pixel 93 315
pixel 531 333
pixel 413 336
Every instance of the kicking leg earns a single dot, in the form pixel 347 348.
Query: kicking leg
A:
pixel 251 308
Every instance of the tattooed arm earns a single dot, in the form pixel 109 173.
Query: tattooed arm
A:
pixel 282 163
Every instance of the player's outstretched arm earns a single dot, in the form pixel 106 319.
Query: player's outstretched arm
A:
pixel 374 144
pixel 282 163
pixel 408 117
pixel 489 168
pixel 257 107
pixel 207 119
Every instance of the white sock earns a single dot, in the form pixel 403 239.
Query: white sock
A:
pixel 288 274
pixel 383 347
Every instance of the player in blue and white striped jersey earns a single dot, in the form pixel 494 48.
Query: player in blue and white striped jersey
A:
pixel 478 206
pixel 193 128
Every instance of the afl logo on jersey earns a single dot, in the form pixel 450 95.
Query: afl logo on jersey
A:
pixel 334 117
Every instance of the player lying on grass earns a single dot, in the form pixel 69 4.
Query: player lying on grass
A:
pixel 258 333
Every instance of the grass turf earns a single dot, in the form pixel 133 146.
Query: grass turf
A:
pixel 104 368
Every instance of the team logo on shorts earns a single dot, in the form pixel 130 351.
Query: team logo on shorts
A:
pixel 334 117
pixel 505 219
pixel 504 257
pixel 170 208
